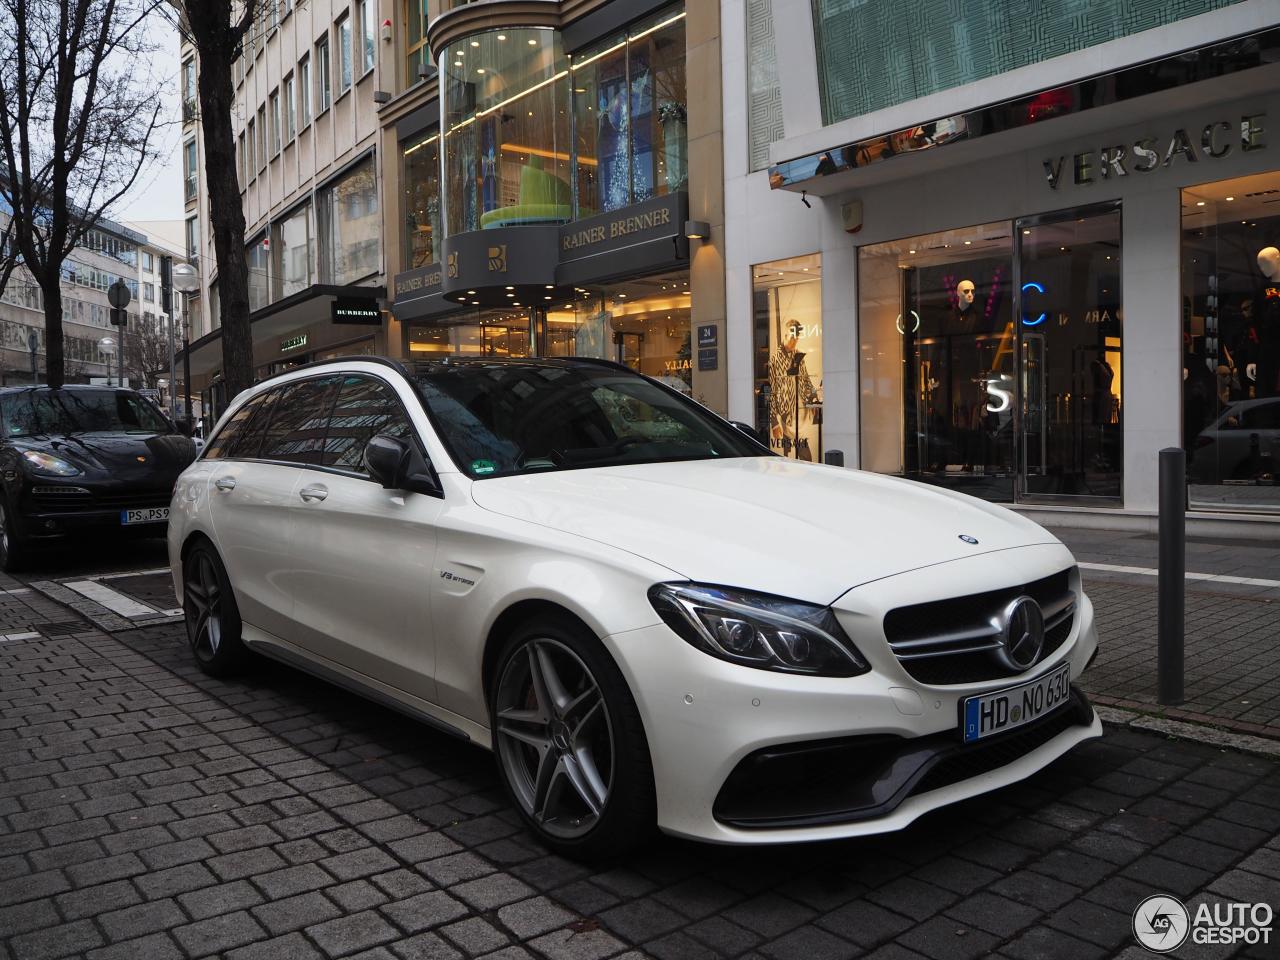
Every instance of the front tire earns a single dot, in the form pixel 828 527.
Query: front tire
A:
pixel 569 741
pixel 212 618
pixel 13 548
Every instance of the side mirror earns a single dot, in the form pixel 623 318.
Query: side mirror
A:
pixel 396 464
pixel 751 432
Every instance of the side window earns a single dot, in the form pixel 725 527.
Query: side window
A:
pixel 228 439
pixel 365 408
pixel 296 434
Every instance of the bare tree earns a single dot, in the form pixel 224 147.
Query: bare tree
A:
pixel 146 349
pixel 78 110
pixel 217 29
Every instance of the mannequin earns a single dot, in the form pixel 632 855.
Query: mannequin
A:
pixel 965 292
pixel 1266 310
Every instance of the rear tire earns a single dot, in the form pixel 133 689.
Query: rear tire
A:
pixel 569 742
pixel 212 618
pixel 13 548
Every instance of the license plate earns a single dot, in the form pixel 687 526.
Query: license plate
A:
pixel 145 515
pixel 1004 710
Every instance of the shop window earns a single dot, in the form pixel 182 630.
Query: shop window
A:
pixel 422 201
pixel 487 333
pixel 955 392
pixel 291 240
pixel 1231 342
pixel 257 256
pixel 787 299
pixel 506 130
pixel 643 323
pixel 630 115
pixel 350 228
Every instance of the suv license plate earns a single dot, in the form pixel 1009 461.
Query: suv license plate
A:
pixel 145 515
pixel 993 713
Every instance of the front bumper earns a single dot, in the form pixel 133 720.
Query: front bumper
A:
pixel 704 717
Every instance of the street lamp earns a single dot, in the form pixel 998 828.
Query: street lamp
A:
pixel 108 346
pixel 186 280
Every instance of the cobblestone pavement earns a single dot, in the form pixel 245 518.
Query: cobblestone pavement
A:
pixel 1232 655
pixel 149 811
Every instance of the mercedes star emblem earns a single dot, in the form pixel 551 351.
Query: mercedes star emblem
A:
pixel 1022 634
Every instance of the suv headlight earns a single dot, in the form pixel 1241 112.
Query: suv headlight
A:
pixel 48 463
pixel 758 630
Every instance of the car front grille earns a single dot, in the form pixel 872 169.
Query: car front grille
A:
pixel 52 498
pixel 954 641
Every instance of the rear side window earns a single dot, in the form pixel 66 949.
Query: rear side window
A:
pixel 224 445
pixel 297 430
pixel 365 408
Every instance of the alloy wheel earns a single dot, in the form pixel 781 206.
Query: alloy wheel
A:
pixel 554 738
pixel 203 606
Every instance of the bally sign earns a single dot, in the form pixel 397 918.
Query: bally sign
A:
pixel 1214 140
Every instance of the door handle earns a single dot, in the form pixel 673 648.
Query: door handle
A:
pixel 225 484
pixel 317 491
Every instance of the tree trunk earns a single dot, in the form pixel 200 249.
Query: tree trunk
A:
pixel 226 211
pixel 53 361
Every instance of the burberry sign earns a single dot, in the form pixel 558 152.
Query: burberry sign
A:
pixel 1146 154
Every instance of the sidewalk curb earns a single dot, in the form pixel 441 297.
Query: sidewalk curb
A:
pixel 1198 733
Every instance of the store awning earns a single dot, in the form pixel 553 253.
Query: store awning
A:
pixel 309 306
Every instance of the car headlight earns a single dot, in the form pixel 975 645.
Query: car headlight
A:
pixel 757 630
pixel 48 463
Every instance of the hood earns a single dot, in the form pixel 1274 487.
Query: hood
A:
pixel 801 530
pixel 152 458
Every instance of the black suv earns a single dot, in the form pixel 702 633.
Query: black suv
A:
pixel 80 459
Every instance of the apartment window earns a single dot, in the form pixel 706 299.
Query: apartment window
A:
pixel 193 235
pixel 350 228
pixel 290 110
pixel 189 169
pixel 249 143
pixel 274 101
pixel 273 14
pixel 416 50
pixel 149 292
pixel 188 90
pixel 262 137
pixel 245 165
pixel 368 35
pixel 148 262
pixel 324 93
pixel 304 92
pixel 343 28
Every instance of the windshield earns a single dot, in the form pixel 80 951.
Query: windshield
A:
pixel 506 418
pixel 43 412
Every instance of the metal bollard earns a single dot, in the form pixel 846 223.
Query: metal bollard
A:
pixel 835 458
pixel 1173 565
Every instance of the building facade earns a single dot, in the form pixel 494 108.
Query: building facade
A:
pixel 110 252
pixel 1013 258
pixel 533 196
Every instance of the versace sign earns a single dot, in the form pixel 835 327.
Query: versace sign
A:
pixel 1214 141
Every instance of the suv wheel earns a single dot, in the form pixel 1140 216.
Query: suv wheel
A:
pixel 209 606
pixel 570 745
pixel 13 550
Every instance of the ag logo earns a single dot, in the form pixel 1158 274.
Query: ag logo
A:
pixel 498 259
pixel 1161 923
pixel 451 265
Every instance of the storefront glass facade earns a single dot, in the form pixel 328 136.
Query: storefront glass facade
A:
pixel 483 333
pixel 1231 343
pixel 535 136
pixel 955 391
pixel 350 227
pixel 422 201
pixel 787 310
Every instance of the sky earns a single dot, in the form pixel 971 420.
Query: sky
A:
pixel 157 194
